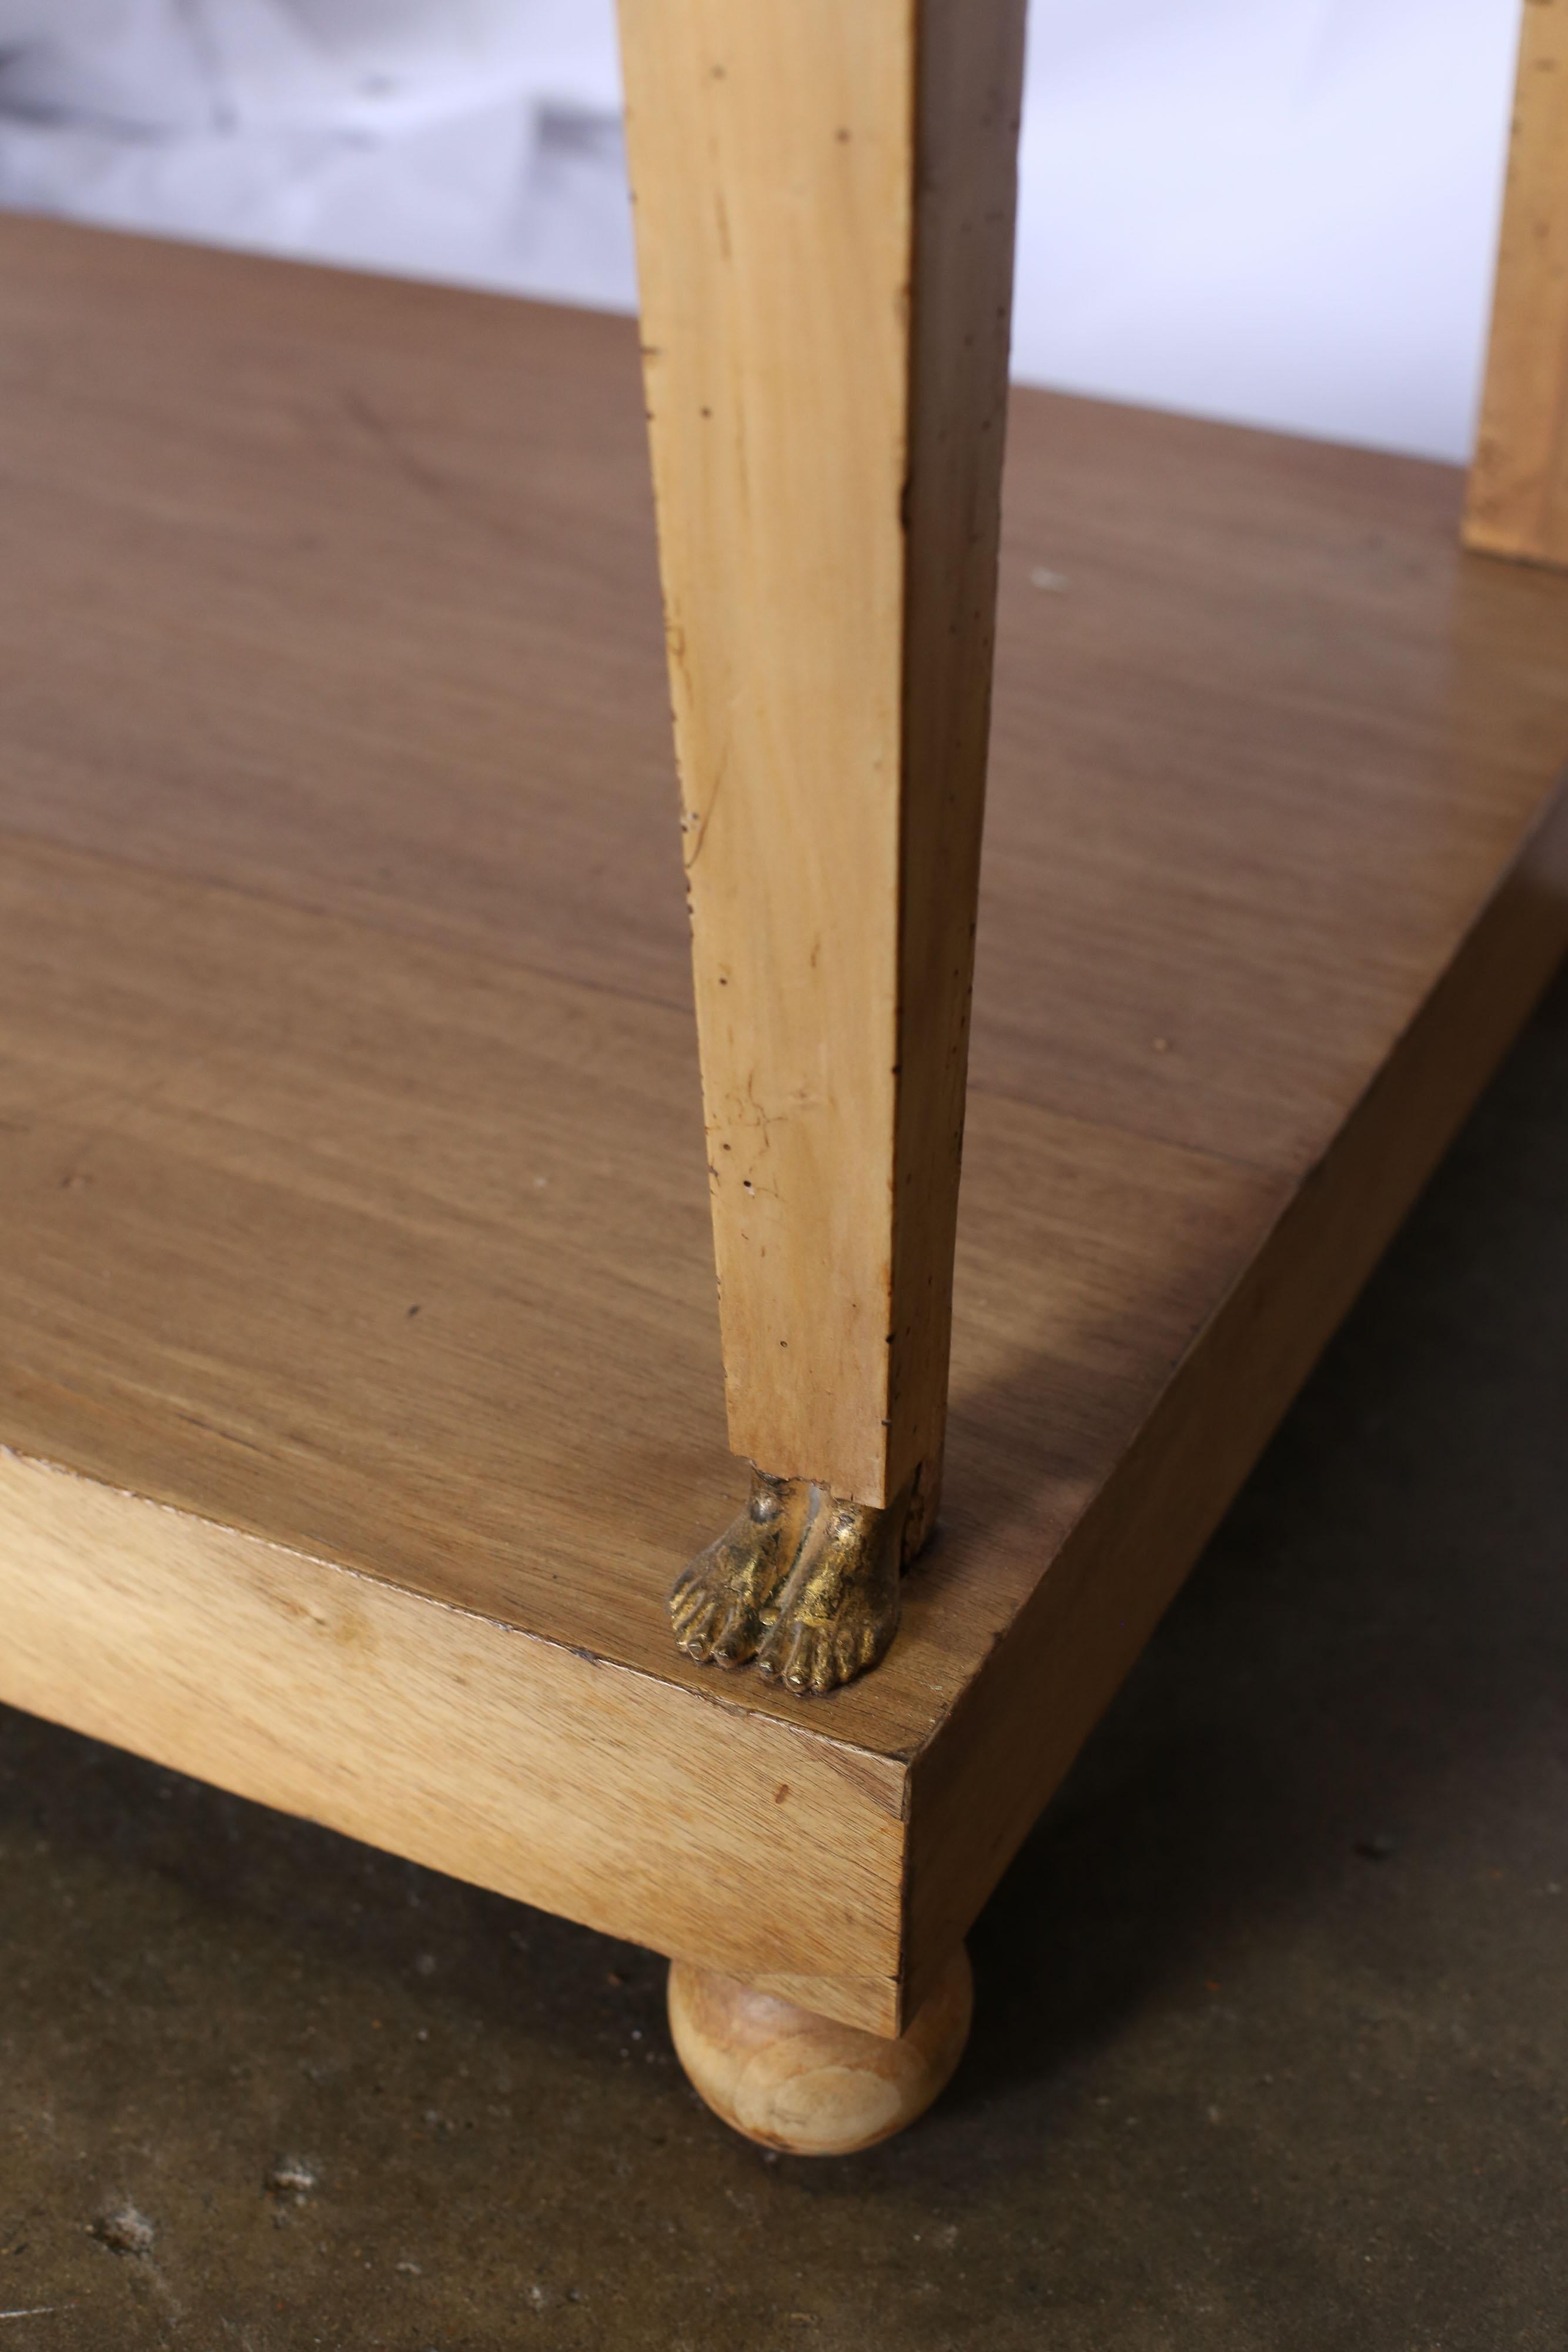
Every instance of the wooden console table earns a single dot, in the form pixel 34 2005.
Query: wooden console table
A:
pixel 359 1380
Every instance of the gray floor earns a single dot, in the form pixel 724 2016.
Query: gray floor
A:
pixel 1272 2042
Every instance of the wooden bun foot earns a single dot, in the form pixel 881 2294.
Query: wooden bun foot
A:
pixel 799 2082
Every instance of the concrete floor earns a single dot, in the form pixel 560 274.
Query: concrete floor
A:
pixel 1272 2038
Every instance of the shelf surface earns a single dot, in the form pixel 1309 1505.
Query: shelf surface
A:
pixel 359 1356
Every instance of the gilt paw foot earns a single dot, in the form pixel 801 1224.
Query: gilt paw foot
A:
pixel 806 1584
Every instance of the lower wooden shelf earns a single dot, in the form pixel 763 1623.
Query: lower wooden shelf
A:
pixel 359 1369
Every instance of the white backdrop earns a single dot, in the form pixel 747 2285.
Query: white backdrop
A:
pixel 1281 211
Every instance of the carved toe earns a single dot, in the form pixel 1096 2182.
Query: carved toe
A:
pixel 722 1601
pixel 737 1639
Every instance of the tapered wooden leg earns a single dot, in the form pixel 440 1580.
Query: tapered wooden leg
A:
pixel 1519 486
pixel 825 199
pixel 799 2082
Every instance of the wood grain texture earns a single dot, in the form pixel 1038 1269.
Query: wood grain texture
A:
pixel 377 631
pixel 795 2081
pixel 824 227
pixel 773 263
pixel 978 1786
pixel 194 1084
pixel 464 1743
pixel 969 73
pixel 824 202
pixel 338 906
pixel 1519 486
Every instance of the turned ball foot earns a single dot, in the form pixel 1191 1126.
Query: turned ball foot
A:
pixel 799 2082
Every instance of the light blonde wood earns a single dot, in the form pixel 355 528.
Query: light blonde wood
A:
pixel 540 1771
pixel 824 202
pixel 978 1786
pixel 338 904
pixel 804 2084
pixel 1518 487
